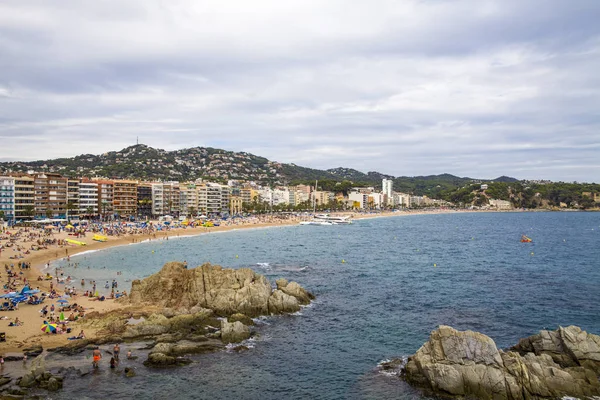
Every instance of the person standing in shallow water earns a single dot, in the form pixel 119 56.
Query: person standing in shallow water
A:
pixel 116 351
pixel 97 355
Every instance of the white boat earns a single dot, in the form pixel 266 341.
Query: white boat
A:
pixel 335 220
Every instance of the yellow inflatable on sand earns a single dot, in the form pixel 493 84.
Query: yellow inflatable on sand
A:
pixel 100 238
pixel 71 241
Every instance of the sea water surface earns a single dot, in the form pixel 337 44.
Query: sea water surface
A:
pixel 382 286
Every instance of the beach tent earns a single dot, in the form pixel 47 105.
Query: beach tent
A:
pixel 69 227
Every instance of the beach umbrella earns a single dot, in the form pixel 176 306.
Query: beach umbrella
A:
pixel 63 301
pixel 48 328
pixel 9 295
pixel 34 291
pixel 69 226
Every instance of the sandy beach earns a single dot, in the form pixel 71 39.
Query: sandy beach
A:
pixel 30 334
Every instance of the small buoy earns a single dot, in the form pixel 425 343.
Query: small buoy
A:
pixel 152 251
pixel 236 256
pixel 343 261
pixel 532 253
pixel 472 238
pixel 394 237
pixel 435 265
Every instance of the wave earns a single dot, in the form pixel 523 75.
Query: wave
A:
pixel 392 367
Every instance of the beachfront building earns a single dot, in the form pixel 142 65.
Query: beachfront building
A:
pixel 50 195
pixel 188 199
pixel 88 198
pixel 24 197
pixel 402 200
pixel 358 199
pixel 125 198
pixel 212 197
pixel 144 200
pixel 72 198
pixel 7 199
pixel 235 205
pixel 165 198
pixel 158 199
pixel 172 198
pixel 377 200
pixel 322 198
pixel 387 186
pixel 105 197
pixel 500 204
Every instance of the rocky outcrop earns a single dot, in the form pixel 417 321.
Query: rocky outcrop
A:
pixel 295 290
pixel 225 291
pixel 234 332
pixel 551 364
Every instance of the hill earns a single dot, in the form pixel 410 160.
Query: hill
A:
pixel 147 163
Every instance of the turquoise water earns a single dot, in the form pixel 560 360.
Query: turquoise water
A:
pixel 402 277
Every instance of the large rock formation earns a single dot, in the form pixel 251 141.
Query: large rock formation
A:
pixel 565 362
pixel 225 291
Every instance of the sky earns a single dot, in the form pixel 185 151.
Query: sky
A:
pixel 476 88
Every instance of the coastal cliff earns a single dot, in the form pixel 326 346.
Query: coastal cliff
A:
pixel 224 291
pixel 551 364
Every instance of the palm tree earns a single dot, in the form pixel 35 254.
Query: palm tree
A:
pixel 192 211
pixel 70 206
pixel 29 211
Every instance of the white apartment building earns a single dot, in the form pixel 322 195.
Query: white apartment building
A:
pixel 88 198
pixel 7 197
pixel 158 199
pixel 358 199
pixel 387 186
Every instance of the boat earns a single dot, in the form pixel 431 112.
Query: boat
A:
pixel 336 220
pixel 525 239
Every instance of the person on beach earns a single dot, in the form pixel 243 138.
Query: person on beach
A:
pixel 113 363
pixel 97 355
pixel 129 355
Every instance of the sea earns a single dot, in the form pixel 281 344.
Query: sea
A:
pixel 381 285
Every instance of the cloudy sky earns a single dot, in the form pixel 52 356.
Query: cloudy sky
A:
pixel 475 88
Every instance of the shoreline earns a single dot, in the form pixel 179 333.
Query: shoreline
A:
pixel 29 334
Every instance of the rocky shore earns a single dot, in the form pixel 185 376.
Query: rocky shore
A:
pixel 551 364
pixel 178 312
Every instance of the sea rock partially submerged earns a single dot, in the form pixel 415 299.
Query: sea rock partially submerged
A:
pixel 551 364
pixel 225 291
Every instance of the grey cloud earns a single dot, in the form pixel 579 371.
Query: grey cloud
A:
pixel 483 88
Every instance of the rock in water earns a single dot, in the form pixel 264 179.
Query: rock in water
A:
pixel 234 332
pixel 548 365
pixel 225 291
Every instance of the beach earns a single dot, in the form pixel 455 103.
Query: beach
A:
pixel 29 333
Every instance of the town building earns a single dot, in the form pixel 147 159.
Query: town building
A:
pixel 24 197
pixel 50 195
pixel 88 198
pixel 387 186
pixel 144 200
pixel 7 198
pixel 125 198
pixel 72 198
